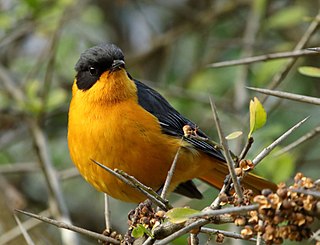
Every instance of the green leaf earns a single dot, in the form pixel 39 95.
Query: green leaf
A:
pixel 180 215
pixel 309 71
pixel 287 17
pixel 140 230
pixel 258 115
pixel 234 135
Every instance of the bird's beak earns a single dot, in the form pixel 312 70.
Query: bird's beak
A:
pixel 117 64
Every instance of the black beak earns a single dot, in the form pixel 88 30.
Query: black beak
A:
pixel 116 65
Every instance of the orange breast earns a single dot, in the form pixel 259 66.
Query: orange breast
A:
pixel 126 137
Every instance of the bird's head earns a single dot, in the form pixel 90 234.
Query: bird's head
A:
pixel 101 71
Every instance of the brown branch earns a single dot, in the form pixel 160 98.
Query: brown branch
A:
pixel 269 148
pixel 249 38
pixel 70 227
pixel 23 231
pixel 147 191
pixel 286 95
pixel 224 144
pixel 316 194
pixel 8 236
pixel 230 234
pixel 279 77
pixel 298 142
pixel 246 148
pixel 232 210
pixel 107 213
pixel 57 202
pixel 265 57
pixel 170 175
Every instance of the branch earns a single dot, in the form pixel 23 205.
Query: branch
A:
pixel 269 148
pixel 301 140
pixel 107 213
pixel 147 191
pixel 224 144
pixel 8 236
pixel 316 194
pixel 279 77
pixel 286 95
pixel 265 57
pixel 182 231
pixel 170 175
pixel 231 234
pixel 238 210
pixel 70 227
pixel 58 204
pixel 23 231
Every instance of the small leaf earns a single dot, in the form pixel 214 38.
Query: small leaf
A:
pixel 309 71
pixel 180 215
pixel 234 135
pixel 140 230
pixel 258 116
pixel 286 17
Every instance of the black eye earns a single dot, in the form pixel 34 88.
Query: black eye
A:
pixel 93 71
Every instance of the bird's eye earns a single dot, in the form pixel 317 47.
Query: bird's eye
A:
pixel 93 71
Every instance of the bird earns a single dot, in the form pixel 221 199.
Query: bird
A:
pixel 124 124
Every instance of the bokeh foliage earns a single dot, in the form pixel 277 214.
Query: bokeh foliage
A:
pixel 168 44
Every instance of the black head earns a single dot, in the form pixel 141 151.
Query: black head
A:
pixel 95 61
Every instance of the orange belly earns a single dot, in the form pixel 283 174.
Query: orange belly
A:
pixel 126 137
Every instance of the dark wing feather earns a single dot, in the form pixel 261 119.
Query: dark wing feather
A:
pixel 171 120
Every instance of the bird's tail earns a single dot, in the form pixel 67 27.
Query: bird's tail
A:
pixel 250 181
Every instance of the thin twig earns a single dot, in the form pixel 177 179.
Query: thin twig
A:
pixel 231 234
pixel 286 95
pixel 279 77
pixel 307 192
pixel 182 231
pixel 149 241
pixel 107 213
pixel 170 229
pixel 249 38
pixel 246 148
pixel 315 49
pixel 23 231
pixel 265 57
pixel 231 210
pixel 298 142
pixel 9 85
pixel 216 203
pixel 269 148
pixel 51 58
pixel 68 173
pixel 58 204
pixel 14 168
pixel 147 191
pixel 8 236
pixel 194 240
pixel 70 227
pixel 259 235
pixel 224 144
pixel 170 175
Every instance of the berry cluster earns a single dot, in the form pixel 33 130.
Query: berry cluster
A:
pixel 286 214
pixel 144 215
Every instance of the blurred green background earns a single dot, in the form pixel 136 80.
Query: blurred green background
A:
pixel 167 44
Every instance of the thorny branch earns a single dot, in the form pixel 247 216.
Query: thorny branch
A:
pixel 147 191
pixel 265 57
pixel 226 151
pixel 71 227
pixel 290 96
